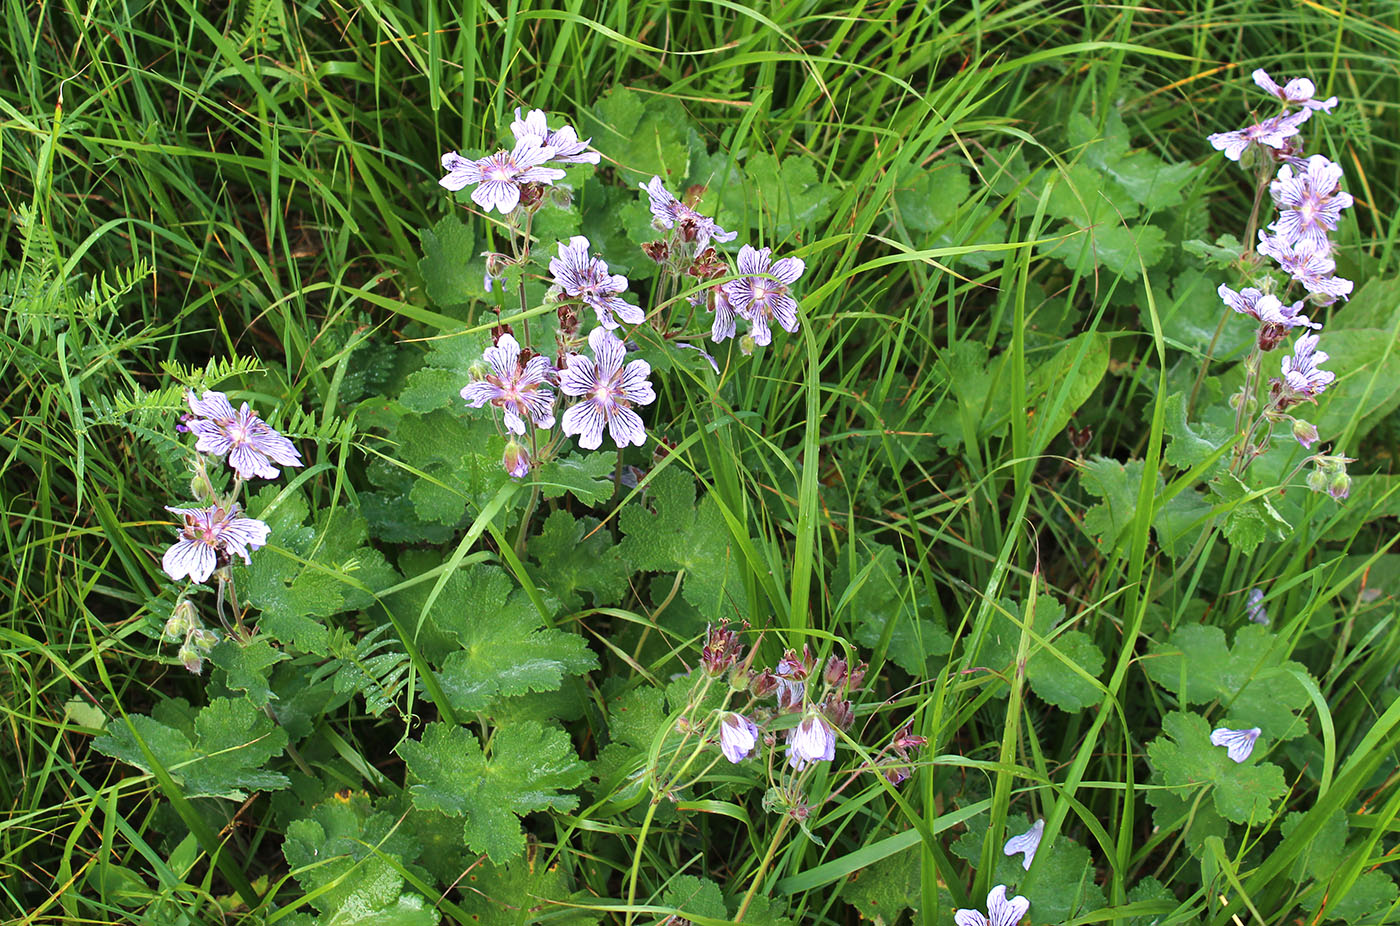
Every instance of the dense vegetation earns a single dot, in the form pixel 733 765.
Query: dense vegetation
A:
pixel 998 463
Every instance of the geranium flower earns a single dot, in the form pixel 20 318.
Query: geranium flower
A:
pixel 586 277
pixel 1314 269
pixel 1027 843
pixel 1301 374
pixel 738 735
pixel 564 140
pixel 520 390
pixel 211 536
pixel 672 213
pixel 608 391
pixel 251 443
pixel 1297 92
pixel 812 740
pixel 1310 201
pixel 1238 743
pixel 1001 912
pixel 499 176
pixel 1271 133
pixel 763 293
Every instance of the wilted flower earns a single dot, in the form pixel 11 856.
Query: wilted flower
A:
pixel 1026 843
pixel 1297 92
pixel 564 140
pixel 520 390
pixel 500 176
pixel 210 536
pixel 738 735
pixel 1310 200
pixel 1238 743
pixel 905 741
pixel 812 740
pixel 721 650
pixel 672 213
pixel 609 390
pixel 792 672
pixel 763 684
pixel 1314 269
pixel 1301 375
pixel 762 295
pixel 1254 607
pixel 838 711
pixel 1002 912
pixel 586 277
pixel 1271 133
pixel 1275 319
pixel 251 444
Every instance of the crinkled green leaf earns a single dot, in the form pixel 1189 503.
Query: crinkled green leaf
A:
pixel 1371 894
pixel 576 556
pixel 696 896
pixel 1117 484
pixel 643 134
pixel 883 891
pixel 1109 247
pixel 225 754
pixel 1183 757
pixel 248 666
pixel 1189 445
pixel 880 601
pixel 452 271
pixel 1047 675
pixel 588 477
pixel 522 892
pixel 505 648
pixel 1179 523
pixel 529 767
pixel 1250 518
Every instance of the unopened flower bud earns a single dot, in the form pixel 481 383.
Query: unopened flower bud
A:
pixel 203 639
pixel 192 659
pixel 839 712
pixel 746 345
pixel 835 675
pixel 498 330
pixel 1305 432
pixel 561 196
pixel 763 684
pixel 857 676
pixel 659 251
pixel 516 459
pixel 1317 480
pixel 182 620
pixel 568 320
pixel 1339 486
pixel 531 195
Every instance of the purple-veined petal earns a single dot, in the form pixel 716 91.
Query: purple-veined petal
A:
pixel 634 385
pixel 1238 743
pixel 585 421
pixel 189 558
pixel 1026 843
pixel 626 427
pixel 609 351
pixel 213 405
pixel 1003 912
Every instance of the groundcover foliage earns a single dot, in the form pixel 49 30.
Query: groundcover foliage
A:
pixel 661 463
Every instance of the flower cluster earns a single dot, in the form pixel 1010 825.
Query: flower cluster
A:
pixel 210 537
pixel 1307 193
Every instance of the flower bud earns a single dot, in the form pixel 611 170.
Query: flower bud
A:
pixel 838 711
pixel 531 195
pixel 1317 480
pixel 203 639
pixel 836 674
pixel 857 676
pixel 192 659
pixel 182 620
pixel 746 345
pixel 498 330
pixel 1305 432
pixel 1339 486
pixel 560 196
pixel 763 684
pixel 516 459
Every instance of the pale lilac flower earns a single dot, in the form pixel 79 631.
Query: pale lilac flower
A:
pixel 1238 743
pixel 763 293
pixel 608 390
pixel 1254 608
pixel 586 277
pixel 738 735
pixel 1310 201
pixel 565 142
pixel 1001 912
pixel 1301 374
pixel 1266 309
pixel 812 740
pixel 1314 269
pixel 520 390
pixel 1026 843
pixel 499 176
pixel 210 538
pixel 516 459
pixel 1272 133
pixel 723 327
pixel 672 213
pixel 1297 92
pixel 251 444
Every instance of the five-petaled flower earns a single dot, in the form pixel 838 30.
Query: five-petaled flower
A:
pixel 564 140
pixel 1316 270
pixel 251 444
pixel 608 391
pixel 1272 132
pixel 1297 92
pixel 1275 319
pixel 210 537
pixel 1027 843
pixel 1000 911
pixel 738 735
pixel 1310 201
pixel 762 294
pixel 812 740
pixel 1301 375
pixel 672 213
pixel 1238 743
pixel 585 277
pixel 499 176
pixel 520 390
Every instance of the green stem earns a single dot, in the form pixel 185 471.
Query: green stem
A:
pixel 763 867
pixel 637 857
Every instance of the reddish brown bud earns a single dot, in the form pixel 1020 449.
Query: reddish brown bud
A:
pixel 835 674
pixel 764 684
pixel 498 330
pixel 531 194
pixel 658 251
pixel 568 319
pixel 838 711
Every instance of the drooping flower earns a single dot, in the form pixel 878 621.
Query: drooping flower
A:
pixel 738 735
pixel 211 537
pixel 564 140
pixel 762 294
pixel 1000 911
pixel 608 391
pixel 1238 743
pixel 723 327
pixel 791 672
pixel 1314 269
pixel 499 176
pixel 251 443
pixel 1310 201
pixel 520 390
pixel 584 276
pixel 1254 607
pixel 1271 132
pixel 1275 319
pixel 672 213
pixel 1297 92
pixel 812 740
pixel 1026 843
pixel 516 459
pixel 1301 375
